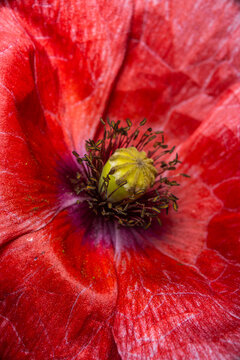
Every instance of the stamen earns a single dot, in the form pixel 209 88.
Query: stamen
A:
pixel 137 175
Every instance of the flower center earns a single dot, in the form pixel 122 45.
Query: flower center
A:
pixel 119 181
pixel 130 172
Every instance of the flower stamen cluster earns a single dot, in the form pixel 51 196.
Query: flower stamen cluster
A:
pixel 140 208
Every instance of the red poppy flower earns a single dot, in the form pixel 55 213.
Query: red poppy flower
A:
pixel 77 289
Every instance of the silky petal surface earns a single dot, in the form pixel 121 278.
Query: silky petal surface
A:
pixel 47 86
pixel 142 299
pixel 167 310
pixel 179 287
pixel 85 43
pixel 58 292
pixel 75 288
pixel 181 56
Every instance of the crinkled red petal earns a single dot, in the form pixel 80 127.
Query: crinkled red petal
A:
pixel 58 291
pixel 85 45
pixel 47 86
pixel 179 290
pixel 181 56
pixel 65 292
pixel 32 141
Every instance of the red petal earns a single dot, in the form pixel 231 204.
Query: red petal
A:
pixel 58 292
pixel 29 182
pixel 32 142
pixel 85 45
pixel 46 99
pixel 212 158
pixel 178 63
pixel 60 304
pixel 229 193
pixel 179 291
pixel 167 310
